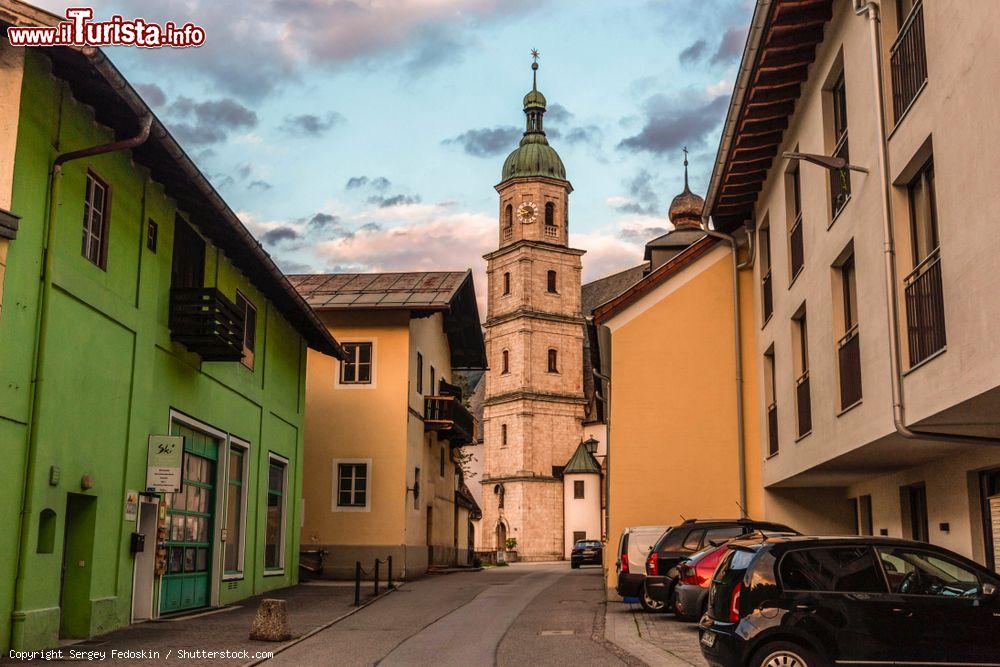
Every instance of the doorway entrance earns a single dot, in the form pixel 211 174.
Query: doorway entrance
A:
pixel 501 543
pixel 430 535
pixel 145 560
pixel 77 566
pixel 989 491
pixel 187 583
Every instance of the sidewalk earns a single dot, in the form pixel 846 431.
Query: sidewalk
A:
pixel 310 605
pixel 656 639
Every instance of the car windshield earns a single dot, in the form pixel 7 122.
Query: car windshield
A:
pixel 588 544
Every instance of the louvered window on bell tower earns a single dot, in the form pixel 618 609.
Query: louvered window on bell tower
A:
pixel 550 214
pixel 505 362
pixel 553 361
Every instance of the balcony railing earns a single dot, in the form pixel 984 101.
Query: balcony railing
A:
pixel 450 418
pixel 925 309
pixel 551 231
pixel 766 298
pixel 797 252
pixel 508 233
pixel 908 61
pixel 207 323
pixel 772 429
pixel 849 352
pixel 803 404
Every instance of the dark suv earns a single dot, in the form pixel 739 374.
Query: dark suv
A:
pixel 809 601
pixel 680 542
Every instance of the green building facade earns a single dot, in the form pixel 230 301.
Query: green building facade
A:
pixel 168 319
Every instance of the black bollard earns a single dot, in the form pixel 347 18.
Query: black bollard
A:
pixel 357 584
pixel 389 578
pixel 376 575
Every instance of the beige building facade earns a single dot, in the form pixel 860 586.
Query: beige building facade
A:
pixel 381 476
pixel 869 422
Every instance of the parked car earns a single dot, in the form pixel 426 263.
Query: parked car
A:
pixel 586 552
pixel 694 577
pixel 809 601
pixel 683 540
pixel 633 547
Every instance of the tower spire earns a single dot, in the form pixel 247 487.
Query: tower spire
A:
pixel 686 188
pixel 534 69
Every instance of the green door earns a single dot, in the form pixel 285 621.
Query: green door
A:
pixel 187 583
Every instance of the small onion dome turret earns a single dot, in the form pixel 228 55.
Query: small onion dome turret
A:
pixel 686 208
pixel 534 156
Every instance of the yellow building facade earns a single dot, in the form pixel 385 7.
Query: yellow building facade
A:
pixel 380 475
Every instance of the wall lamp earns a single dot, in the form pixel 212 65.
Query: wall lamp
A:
pixel 826 161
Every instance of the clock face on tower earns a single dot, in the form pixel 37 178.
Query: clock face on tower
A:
pixel 527 212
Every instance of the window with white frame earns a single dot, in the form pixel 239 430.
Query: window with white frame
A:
pixel 274 528
pixel 352 490
pixel 236 499
pixel 356 368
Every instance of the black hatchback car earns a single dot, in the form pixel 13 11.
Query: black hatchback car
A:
pixel 809 601
pixel 586 552
pixel 682 541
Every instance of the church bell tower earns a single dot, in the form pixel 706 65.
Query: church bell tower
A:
pixel 534 402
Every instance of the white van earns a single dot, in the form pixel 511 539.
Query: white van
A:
pixel 633 548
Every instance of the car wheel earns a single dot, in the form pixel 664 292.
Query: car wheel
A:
pixel 648 603
pixel 574 565
pixel 785 654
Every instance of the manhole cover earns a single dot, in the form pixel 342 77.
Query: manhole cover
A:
pixel 555 633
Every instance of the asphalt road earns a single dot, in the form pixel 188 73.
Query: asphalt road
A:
pixel 525 614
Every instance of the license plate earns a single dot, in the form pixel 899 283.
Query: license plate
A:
pixel 708 639
pixel 588 552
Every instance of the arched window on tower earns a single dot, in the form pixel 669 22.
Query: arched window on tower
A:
pixel 505 362
pixel 506 283
pixel 553 360
pixel 503 435
pixel 550 278
pixel 508 223
pixel 550 214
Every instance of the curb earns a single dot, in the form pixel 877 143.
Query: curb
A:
pixel 318 629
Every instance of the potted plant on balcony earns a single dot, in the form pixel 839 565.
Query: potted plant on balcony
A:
pixel 510 547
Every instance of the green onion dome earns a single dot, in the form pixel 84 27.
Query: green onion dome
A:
pixel 534 156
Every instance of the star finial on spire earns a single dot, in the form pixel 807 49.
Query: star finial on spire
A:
pixel 534 68
pixel 535 55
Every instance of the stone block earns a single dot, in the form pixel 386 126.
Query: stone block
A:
pixel 271 622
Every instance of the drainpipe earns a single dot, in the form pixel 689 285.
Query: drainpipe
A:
pixel 42 326
pixel 871 10
pixel 738 338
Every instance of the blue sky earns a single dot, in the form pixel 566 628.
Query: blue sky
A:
pixel 368 135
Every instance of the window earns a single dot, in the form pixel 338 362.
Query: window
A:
pixel 840 181
pixel 578 488
pixel 865 522
pixel 553 361
pixel 765 272
pixel 420 373
pixel 914 506
pixel 357 367
pixel 188 261
pixel 441 465
pixel 839 569
pixel 848 346
pixel 95 222
pixel 550 279
pixel 505 362
pixel 249 329
pixel 795 241
pixel 433 386
pixel 903 9
pixel 152 234
pixel 923 214
pixel 506 283
pixel 720 535
pixel 235 504
pixel 352 484
pixel 693 540
pixel 913 572
pixel 674 540
pixel 770 400
pixel 550 214
pixel 274 531
pixel 579 536
pixel 508 218
pixel 802 397
pixel 503 435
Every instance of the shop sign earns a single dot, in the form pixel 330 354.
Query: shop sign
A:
pixel 163 465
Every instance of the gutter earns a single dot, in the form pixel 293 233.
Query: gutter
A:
pixel 741 454
pixel 42 328
pixel 871 10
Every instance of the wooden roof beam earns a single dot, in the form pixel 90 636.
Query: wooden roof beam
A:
pixel 748 188
pixel 766 152
pixel 756 141
pixel 748 177
pixel 790 91
pixel 780 78
pixel 770 111
pixel 751 126
pixel 749 167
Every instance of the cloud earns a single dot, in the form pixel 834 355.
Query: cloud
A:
pixel 557 113
pixel 669 126
pixel 152 94
pixel 587 134
pixel 209 121
pixel 310 125
pixel 321 220
pixel 642 196
pixel 380 183
pixel 278 235
pixel 694 52
pixel 639 233
pixel 488 141
pixel 731 46
pixel 395 200
pixel 264 186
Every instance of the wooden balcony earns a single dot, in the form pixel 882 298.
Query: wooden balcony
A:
pixel 908 62
pixel 447 415
pixel 925 309
pixel 849 355
pixel 207 323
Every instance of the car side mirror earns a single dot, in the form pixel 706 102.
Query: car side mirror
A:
pixel 989 590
